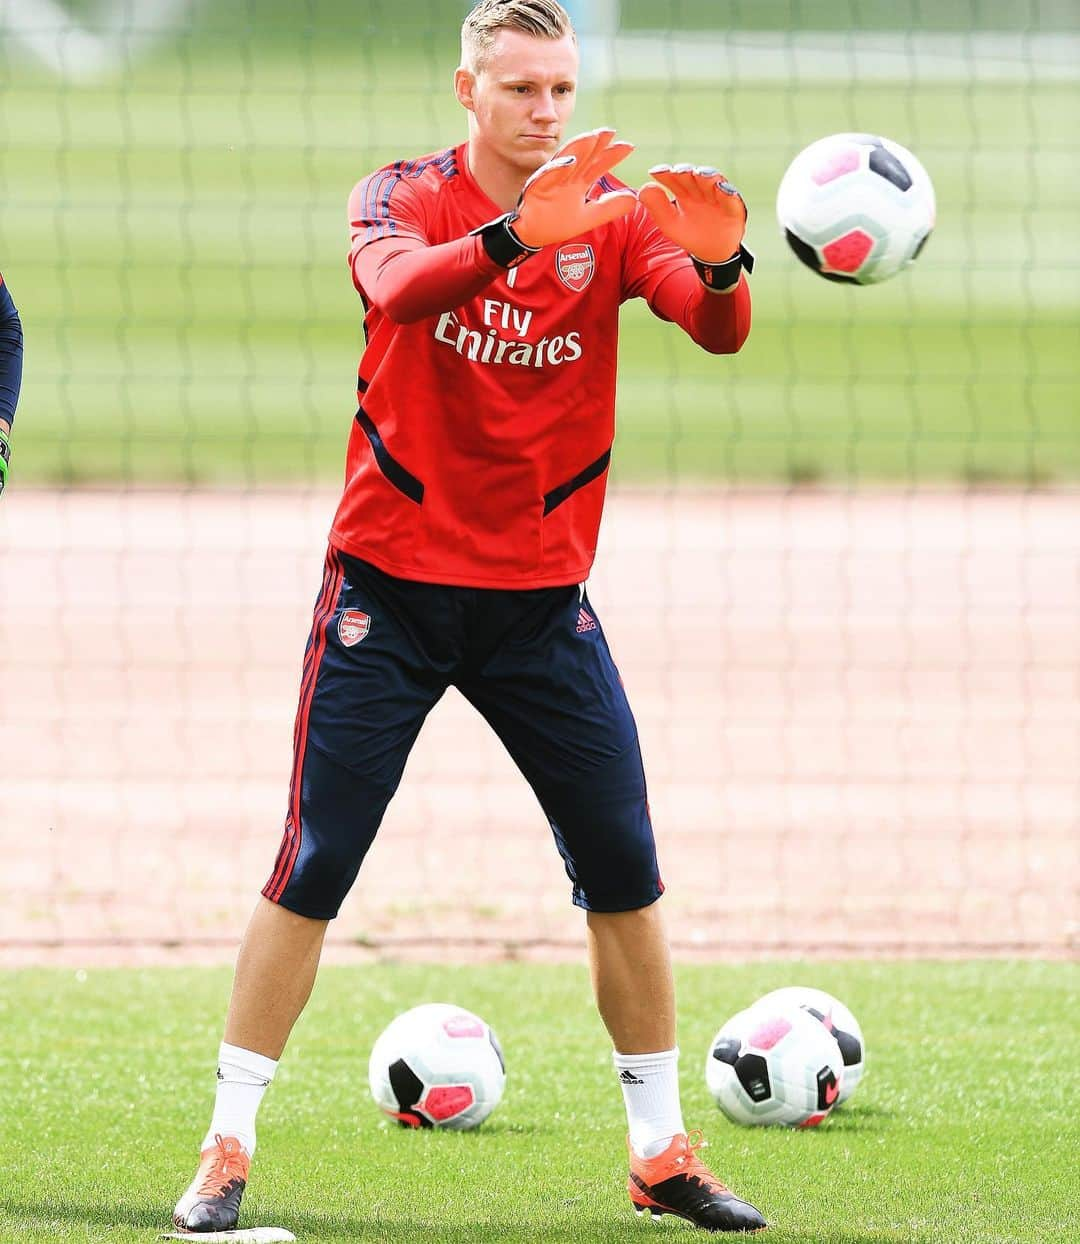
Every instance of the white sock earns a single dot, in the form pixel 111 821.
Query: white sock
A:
pixel 242 1078
pixel 650 1089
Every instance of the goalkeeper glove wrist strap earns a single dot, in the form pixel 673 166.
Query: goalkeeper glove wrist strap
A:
pixel 5 458
pixel 502 244
pixel 723 275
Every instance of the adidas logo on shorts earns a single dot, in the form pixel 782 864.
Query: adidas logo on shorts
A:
pixel 585 621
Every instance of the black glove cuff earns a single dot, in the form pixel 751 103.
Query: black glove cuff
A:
pixel 723 275
pixel 502 244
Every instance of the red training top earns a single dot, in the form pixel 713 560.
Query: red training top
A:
pixel 479 453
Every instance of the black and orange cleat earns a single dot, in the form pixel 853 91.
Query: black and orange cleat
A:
pixel 212 1202
pixel 678 1182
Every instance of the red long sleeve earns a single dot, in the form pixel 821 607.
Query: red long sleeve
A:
pixel 719 323
pixel 409 280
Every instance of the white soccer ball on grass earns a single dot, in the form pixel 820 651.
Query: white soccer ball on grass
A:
pixel 437 1065
pixel 774 1065
pixel 837 1019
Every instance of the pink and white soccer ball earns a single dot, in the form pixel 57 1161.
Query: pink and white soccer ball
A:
pixel 856 207
pixel 774 1065
pixel 437 1065
pixel 837 1019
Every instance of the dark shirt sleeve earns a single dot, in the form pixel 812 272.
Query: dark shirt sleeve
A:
pixel 11 355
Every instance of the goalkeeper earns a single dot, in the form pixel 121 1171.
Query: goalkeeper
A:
pixel 491 276
pixel 11 356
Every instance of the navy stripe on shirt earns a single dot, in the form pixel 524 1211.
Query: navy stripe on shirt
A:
pixel 555 498
pixel 380 189
pixel 371 204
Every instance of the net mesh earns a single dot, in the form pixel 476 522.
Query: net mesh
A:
pixel 838 571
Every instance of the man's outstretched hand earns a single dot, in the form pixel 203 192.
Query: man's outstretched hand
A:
pixel 707 216
pixel 553 206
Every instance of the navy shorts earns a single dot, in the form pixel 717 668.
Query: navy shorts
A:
pixel 535 663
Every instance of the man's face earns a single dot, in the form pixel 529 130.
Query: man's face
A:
pixel 522 98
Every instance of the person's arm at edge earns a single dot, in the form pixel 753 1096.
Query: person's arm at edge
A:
pixel 716 320
pixel 11 354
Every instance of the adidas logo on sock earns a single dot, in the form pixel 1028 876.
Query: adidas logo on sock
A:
pixel 626 1076
pixel 585 621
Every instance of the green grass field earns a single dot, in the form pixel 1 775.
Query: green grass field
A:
pixel 963 1131
pixel 174 236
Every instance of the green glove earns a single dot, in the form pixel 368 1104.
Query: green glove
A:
pixel 5 458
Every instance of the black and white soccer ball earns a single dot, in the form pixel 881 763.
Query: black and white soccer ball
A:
pixel 437 1065
pixel 856 207
pixel 774 1065
pixel 837 1019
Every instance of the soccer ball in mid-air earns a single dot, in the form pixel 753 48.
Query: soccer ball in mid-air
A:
pixel 856 207
pixel 437 1066
pixel 837 1019
pixel 774 1064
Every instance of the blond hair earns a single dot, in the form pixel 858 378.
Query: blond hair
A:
pixel 543 19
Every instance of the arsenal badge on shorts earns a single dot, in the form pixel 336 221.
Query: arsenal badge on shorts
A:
pixel 353 626
pixel 575 264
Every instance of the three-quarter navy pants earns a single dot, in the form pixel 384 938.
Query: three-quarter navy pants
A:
pixel 535 663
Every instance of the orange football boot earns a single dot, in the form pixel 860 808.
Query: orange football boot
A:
pixel 212 1202
pixel 678 1182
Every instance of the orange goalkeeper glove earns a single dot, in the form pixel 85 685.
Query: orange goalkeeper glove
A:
pixel 707 217
pixel 553 206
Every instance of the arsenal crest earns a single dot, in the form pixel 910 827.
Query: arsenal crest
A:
pixel 575 263
pixel 353 626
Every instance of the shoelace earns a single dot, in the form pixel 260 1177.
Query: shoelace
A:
pixel 693 1167
pixel 218 1175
